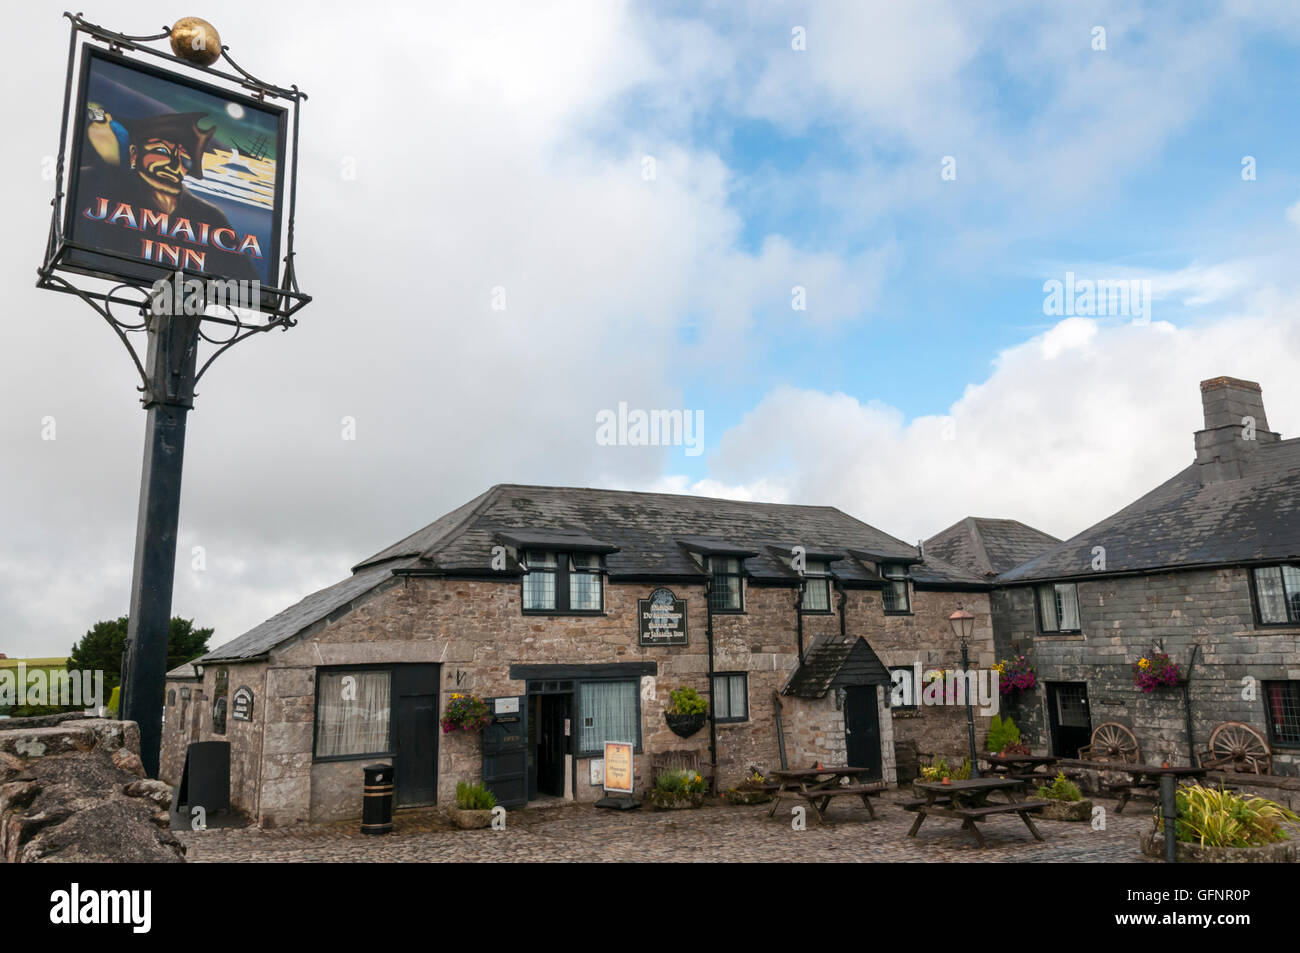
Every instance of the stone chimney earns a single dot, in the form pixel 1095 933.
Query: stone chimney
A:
pixel 1235 426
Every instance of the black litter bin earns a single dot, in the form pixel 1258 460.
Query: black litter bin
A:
pixel 377 802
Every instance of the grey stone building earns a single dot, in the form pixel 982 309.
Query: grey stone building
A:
pixel 574 613
pixel 1205 568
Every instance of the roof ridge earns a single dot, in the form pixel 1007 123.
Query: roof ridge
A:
pixel 486 497
pixel 977 539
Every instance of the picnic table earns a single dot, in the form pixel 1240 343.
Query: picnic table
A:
pixel 1023 767
pixel 819 785
pixel 1146 777
pixel 968 802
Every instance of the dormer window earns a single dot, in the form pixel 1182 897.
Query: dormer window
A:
pixel 726 592
pixel 816 586
pixel 896 597
pixel 565 583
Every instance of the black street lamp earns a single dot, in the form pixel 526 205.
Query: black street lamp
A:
pixel 963 623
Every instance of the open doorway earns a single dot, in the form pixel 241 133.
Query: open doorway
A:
pixel 1069 720
pixel 550 733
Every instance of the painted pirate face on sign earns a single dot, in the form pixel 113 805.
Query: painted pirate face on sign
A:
pixel 162 164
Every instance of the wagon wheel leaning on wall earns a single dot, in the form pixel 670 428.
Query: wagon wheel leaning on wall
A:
pixel 1236 746
pixel 1111 741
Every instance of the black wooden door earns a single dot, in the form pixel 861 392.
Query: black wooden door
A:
pixel 862 731
pixel 415 759
pixel 1068 717
pixel 505 752
pixel 552 744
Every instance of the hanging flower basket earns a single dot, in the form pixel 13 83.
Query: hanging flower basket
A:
pixel 1015 677
pixel 1155 671
pixel 465 713
pixel 686 713
pixel 685 725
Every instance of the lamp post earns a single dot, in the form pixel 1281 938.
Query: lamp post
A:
pixel 963 623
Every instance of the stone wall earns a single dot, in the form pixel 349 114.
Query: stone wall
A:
pixel 1122 619
pixel 475 630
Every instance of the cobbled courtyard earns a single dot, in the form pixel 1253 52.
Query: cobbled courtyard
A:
pixel 717 832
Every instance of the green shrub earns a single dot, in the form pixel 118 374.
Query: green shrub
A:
pixel 681 782
pixel 474 797
pixel 1061 789
pixel 1002 732
pixel 686 701
pixel 1214 817
pixel 940 769
pixel 113 700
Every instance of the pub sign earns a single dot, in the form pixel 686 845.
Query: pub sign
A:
pixel 662 618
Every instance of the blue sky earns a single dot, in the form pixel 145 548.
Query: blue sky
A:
pixel 924 382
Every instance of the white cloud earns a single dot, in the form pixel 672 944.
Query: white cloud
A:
pixel 1069 427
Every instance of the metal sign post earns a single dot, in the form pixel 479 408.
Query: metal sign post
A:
pixel 174 200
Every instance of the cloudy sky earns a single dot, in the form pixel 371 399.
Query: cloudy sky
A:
pixel 653 190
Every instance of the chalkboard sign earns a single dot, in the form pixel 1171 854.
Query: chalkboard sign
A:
pixel 662 618
pixel 241 704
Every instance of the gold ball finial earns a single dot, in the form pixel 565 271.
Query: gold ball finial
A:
pixel 196 40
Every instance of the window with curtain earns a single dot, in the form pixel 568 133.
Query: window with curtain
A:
pixel 817 586
pixel 607 711
pixel 896 597
pixel 1277 594
pixel 353 710
pixel 1282 700
pixel 539 581
pixel 724 594
pixel 1058 607
pixel 584 582
pixel 730 696
pixel 562 582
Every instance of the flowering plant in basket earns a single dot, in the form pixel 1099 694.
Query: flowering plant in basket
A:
pixel 465 713
pixel 1150 673
pixel 1015 675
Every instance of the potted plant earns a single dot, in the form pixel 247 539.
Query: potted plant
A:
pixel 755 789
pixel 1216 826
pixel 474 804
pixel 685 715
pixel 674 790
pixel 467 713
pixel 1003 735
pixel 939 771
pixel 1155 671
pixel 1067 801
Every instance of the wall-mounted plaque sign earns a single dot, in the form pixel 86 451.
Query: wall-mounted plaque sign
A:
pixel 241 705
pixel 662 618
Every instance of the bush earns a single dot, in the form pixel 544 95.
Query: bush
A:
pixel 1214 817
pixel 686 701
pixel 1002 732
pixel 681 782
pixel 1061 789
pixel 474 797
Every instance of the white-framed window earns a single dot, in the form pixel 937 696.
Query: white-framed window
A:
pixel 1277 594
pixel 1058 607
pixel 896 597
pixel 816 586
pixel 730 696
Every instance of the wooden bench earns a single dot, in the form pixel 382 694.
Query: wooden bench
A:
pixel 823 795
pixel 1017 807
pixel 912 803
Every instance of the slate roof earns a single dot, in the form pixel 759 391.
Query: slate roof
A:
pixel 652 535
pixel 1182 524
pixel 836 661
pixel 987 547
